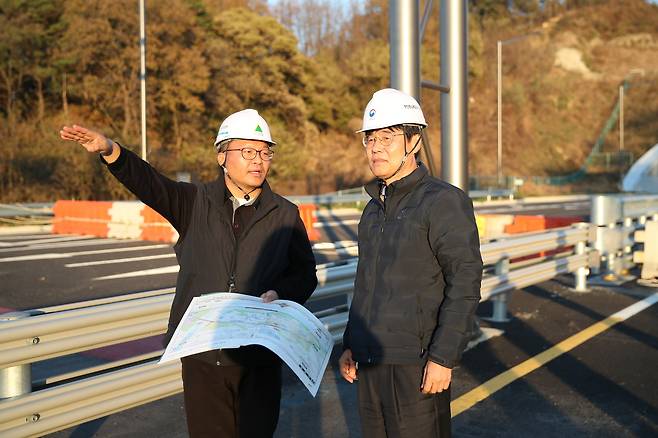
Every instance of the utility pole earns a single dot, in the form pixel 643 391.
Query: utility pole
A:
pixel 621 118
pixel 142 73
pixel 499 155
pixel 454 104
pixel 405 46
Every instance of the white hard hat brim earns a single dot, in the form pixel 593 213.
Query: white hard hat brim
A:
pixel 374 128
pixel 271 142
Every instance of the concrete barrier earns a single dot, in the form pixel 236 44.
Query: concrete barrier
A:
pixel 132 220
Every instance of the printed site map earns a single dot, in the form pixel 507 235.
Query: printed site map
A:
pixel 230 320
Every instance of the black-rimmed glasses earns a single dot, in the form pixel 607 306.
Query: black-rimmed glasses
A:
pixel 250 153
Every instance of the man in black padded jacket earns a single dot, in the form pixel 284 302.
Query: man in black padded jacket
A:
pixel 417 283
pixel 235 235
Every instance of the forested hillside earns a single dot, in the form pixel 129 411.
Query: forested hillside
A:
pixel 309 67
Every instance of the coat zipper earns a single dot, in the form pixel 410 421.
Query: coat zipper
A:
pixel 372 291
pixel 421 332
pixel 236 250
pixel 231 280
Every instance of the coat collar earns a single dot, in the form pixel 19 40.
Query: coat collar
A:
pixel 398 188
pixel 218 193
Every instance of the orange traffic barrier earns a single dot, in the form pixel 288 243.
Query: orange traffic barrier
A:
pixel 526 224
pixel 156 227
pixel 81 217
pixel 307 213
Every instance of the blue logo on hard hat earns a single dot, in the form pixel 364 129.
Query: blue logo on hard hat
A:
pixel 372 113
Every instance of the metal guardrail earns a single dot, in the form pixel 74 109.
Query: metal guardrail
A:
pixel 58 408
pixel 349 197
pixel 616 218
pixel 63 330
pixel 26 209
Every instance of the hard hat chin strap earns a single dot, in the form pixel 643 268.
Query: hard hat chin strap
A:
pixel 404 159
pixel 246 194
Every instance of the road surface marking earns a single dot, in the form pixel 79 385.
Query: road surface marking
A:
pixel 157 271
pixel 64 255
pixel 99 241
pixel 489 387
pixel 125 260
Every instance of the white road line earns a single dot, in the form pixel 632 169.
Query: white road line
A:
pixel 33 236
pixel 125 260
pixel 47 240
pixel 157 271
pixel 67 244
pixel 334 245
pixel 336 223
pixel 64 255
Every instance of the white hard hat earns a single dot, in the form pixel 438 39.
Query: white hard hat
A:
pixel 390 107
pixel 246 125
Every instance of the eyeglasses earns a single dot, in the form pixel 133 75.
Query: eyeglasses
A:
pixel 384 139
pixel 250 153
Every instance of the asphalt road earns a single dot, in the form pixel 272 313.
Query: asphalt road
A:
pixel 603 388
pixel 606 386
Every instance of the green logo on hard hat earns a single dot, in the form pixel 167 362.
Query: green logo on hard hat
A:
pixel 258 129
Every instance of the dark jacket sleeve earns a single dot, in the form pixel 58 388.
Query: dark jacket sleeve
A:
pixel 455 242
pixel 299 280
pixel 173 200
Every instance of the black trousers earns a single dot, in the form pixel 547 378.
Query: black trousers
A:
pixel 391 404
pixel 231 401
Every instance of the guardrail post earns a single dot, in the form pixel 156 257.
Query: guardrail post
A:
pixel 609 216
pixel 16 380
pixel 581 273
pixel 648 256
pixel 629 241
pixel 500 300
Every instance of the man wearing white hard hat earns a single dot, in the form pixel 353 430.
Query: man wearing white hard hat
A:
pixel 417 283
pixel 236 235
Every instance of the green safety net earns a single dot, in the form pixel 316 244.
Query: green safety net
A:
pixel 596 150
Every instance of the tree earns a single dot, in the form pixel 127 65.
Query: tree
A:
pixel 177 71
pixel 28 30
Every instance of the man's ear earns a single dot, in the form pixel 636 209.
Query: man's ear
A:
pixel 221 158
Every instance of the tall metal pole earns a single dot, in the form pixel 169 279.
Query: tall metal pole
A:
pixel 404 46
pixel 142 73
pixel 499 156
pixel 621 117
pixel 454 105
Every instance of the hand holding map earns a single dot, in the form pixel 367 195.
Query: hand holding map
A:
pixel 230 320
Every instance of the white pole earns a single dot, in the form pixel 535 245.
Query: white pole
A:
pixel 142 74
pixel 621 117
pixel 499 156
pixel 405 46
pixel 454 105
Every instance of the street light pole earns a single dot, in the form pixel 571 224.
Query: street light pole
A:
pixel 405 46
pixel 454 105
pixel 499 46
pixel 142 74
pixel 499 157
pixel 621 118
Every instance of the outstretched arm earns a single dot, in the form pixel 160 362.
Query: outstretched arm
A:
pixel 173 200
pixel 92 141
